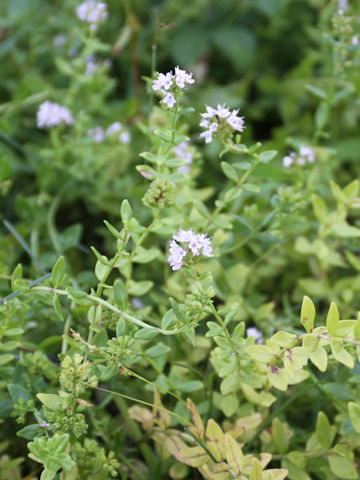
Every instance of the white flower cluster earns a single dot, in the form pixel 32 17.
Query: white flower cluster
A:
pixel 116 128
pixel 194 244
pixel 306 155
pixel 220 118
pixel 168 83
pixel 50 114
pixel 181 151
pixel 92 12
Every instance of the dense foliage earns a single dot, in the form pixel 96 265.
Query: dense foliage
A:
pixel 179 200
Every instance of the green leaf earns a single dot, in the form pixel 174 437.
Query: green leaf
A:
pixel 17 391
pixel 157 350
pixel 31 431
pixel 322 115
pixel 230 171
pixel 332 320
pixel 354 413
pixel 58 272
pixel 57 307
pixel 120 328
pixel 101 271
pixel 337 192
pixel 145 255
pixel 357 328
pixel 190 386
pixel 5 358
pixel 120 295
pixel 307 314
pixel 251 187
pixel 125 211
pixel 267 156
pixel 5 168
pixel 280 438
pixel 256 470
pixel 319 207
pixel 342 467
pixel 17 275
pixel 318 92
pixel 260 353
pixel 278 379
pixel 325 433
pixel 101 338
pixel 146 333
pixel 113 231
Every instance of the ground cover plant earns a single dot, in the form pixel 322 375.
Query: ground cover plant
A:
pixel 179 261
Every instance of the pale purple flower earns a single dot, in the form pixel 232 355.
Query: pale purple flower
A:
pixel 137 302
pixel 97 133
pixel 176 255
pixel 50 114
pixel 307 153
pixel 114 128
pixel 288 160
pixel 59 40
pixel 343 4
pixel 45 424
pixel 181 151
pixel 254 332
pixel 196 242
pixel 168 84
pixel 92 12
pixel 125 137
pixel 92 65
pixel 221 119
pixel 355 41
pixel 169 100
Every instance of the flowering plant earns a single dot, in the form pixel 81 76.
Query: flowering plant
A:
pixel 178 298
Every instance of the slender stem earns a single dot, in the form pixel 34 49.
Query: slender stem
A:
pixel 32 284
pixel 134 429
pixel 111 307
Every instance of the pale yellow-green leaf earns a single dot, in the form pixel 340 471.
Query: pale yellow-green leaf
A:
pixel 256 470
pixel 319 207
pixel 218 472
pixel 310 342
pixel 250 394
pixel 324 431
pixel 300 376
pixel 280 438
pixel 275 474
pixel 342 467
pixel 284 339
pixel 338 194
pixel 198 427
pixel 229 404
pixel 357 328
pixel 260 353
pixel 278 379
pixel 332 319
pixel 341 355
pixel 319 358
pixel 307 314
pixel 266 399
pixel 193 456
pixel 234 455
pixel 354 413
pixel 216 440
pixel 298 458
pixel 352 189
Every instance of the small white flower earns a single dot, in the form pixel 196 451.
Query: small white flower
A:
pixel 169 100
pixel 164 81
pixel 92 12
pixel 207 135
pixel 182 77
pixel 222 111
pixel 254 332
pixel 235 122
pixel 97 133
pixel 289 160
pixel 50 114
pixel 197 243
pixel 210 112
pixel 176 255
pixel 125 137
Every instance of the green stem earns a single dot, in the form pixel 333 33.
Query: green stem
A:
pixel 135 431
pixel 111 307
